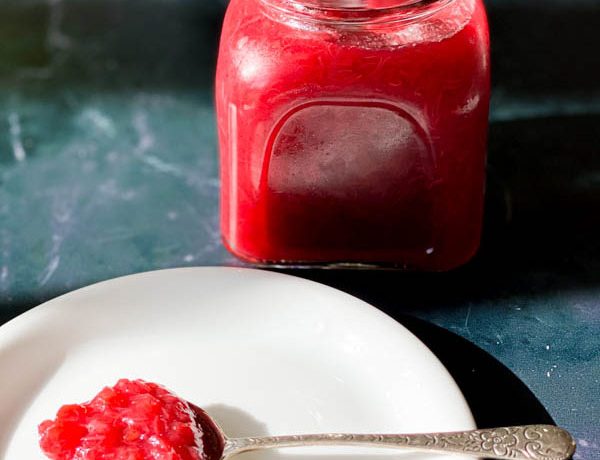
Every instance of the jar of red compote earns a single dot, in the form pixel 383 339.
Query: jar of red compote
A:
pixel 353 131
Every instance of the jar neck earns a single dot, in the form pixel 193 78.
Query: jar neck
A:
pixel 356 12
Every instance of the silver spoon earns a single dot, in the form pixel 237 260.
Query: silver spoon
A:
pixel 527 442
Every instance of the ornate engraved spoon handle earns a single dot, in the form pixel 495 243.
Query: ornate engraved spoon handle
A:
pixel 531 442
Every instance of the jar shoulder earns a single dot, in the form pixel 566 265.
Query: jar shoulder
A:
pixel 261 57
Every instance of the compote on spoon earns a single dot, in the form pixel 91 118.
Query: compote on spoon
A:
pixel 136 420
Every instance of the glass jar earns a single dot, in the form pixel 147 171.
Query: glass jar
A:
pixel 353 131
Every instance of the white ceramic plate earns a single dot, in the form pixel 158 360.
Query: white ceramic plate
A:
pixel 264 353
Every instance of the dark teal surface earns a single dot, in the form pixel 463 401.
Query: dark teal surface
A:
pixel 108 166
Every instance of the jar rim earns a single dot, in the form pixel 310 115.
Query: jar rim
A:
pixel 357 12
pixel 356 5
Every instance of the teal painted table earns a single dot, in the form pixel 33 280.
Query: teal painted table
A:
pixel 108 166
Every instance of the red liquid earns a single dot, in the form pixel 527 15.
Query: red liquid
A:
pixel 134 420
pixel 360 146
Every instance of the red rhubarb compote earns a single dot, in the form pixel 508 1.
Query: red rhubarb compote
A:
pixel 353 131
pixel 134 420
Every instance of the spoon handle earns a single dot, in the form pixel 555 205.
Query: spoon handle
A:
pixel 529 442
